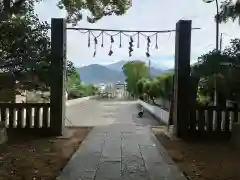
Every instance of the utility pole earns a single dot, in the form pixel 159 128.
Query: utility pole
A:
pixel 217 21
pixel 221 38
pixel 217 25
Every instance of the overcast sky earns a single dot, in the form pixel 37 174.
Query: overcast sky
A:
pixel 144 15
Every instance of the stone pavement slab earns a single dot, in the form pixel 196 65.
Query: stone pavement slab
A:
pixel 101 113
pixel 120 152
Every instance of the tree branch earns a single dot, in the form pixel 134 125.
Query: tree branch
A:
pixel 14 9
pixel 6 5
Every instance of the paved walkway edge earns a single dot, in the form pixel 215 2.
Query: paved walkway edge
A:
pixel 158 113
pixel 78 100
pixel 98 157
pixel 167 159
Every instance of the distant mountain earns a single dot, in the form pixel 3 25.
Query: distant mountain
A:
pixel 116 66
pixel 95 74
pixel 169 71
pixel 155 72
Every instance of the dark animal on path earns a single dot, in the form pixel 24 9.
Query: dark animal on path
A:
pixel 140 114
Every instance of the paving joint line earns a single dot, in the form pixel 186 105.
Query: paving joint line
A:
pixel 121 154
pixel 98 165
pixel 145 167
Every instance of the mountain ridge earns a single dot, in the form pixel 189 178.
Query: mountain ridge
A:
pixel 111 73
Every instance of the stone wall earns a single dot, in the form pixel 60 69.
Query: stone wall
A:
pixel 163 102
pixel 159 113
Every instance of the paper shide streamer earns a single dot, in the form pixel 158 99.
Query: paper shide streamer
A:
pixel 120 40
pixel 156 44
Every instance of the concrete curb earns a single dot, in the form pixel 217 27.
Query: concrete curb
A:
pixel 79 100
pixel 158 113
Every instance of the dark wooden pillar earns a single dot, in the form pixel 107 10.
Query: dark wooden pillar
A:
pixel 182 77
pixel 58 74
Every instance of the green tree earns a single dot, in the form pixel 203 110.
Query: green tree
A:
pixel 134 71
pixel 74 8
pixel 71 70
pixel 232 70
pixel 74 86
pixel 158 87
pixel 229 10
pixel 73 81
pixel 166 85
pixel 81 90
pixel 221 70
pixel 25 51
pixel 143 85
pixel 154 89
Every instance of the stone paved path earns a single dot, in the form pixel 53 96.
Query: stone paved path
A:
pixel 100 113
pixel 121 151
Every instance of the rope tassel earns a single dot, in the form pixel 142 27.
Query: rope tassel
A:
pixel 111 52
pixel 130 47
pixel 148 46
pixel 102 39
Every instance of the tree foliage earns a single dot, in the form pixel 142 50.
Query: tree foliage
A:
pixel 134 71
pixel 140 83
pixel 229 10
pixel 98 9
pixel 166 85
pixel 71 70
pixel 158 87
pixel 74 86
pixel 25 49
pixel 74 8
pixel 221 68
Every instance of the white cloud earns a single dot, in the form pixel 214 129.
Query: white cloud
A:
pixel 145 15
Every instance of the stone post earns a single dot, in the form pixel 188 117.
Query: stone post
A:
pixel 58 74
pixel 181 107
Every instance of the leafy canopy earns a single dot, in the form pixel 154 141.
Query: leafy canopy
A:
pixel 25 50
pixel 221 68
pixel 97 9
pixel 158 87
pixel 229 10
pixel 74 8
pixel 134 71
